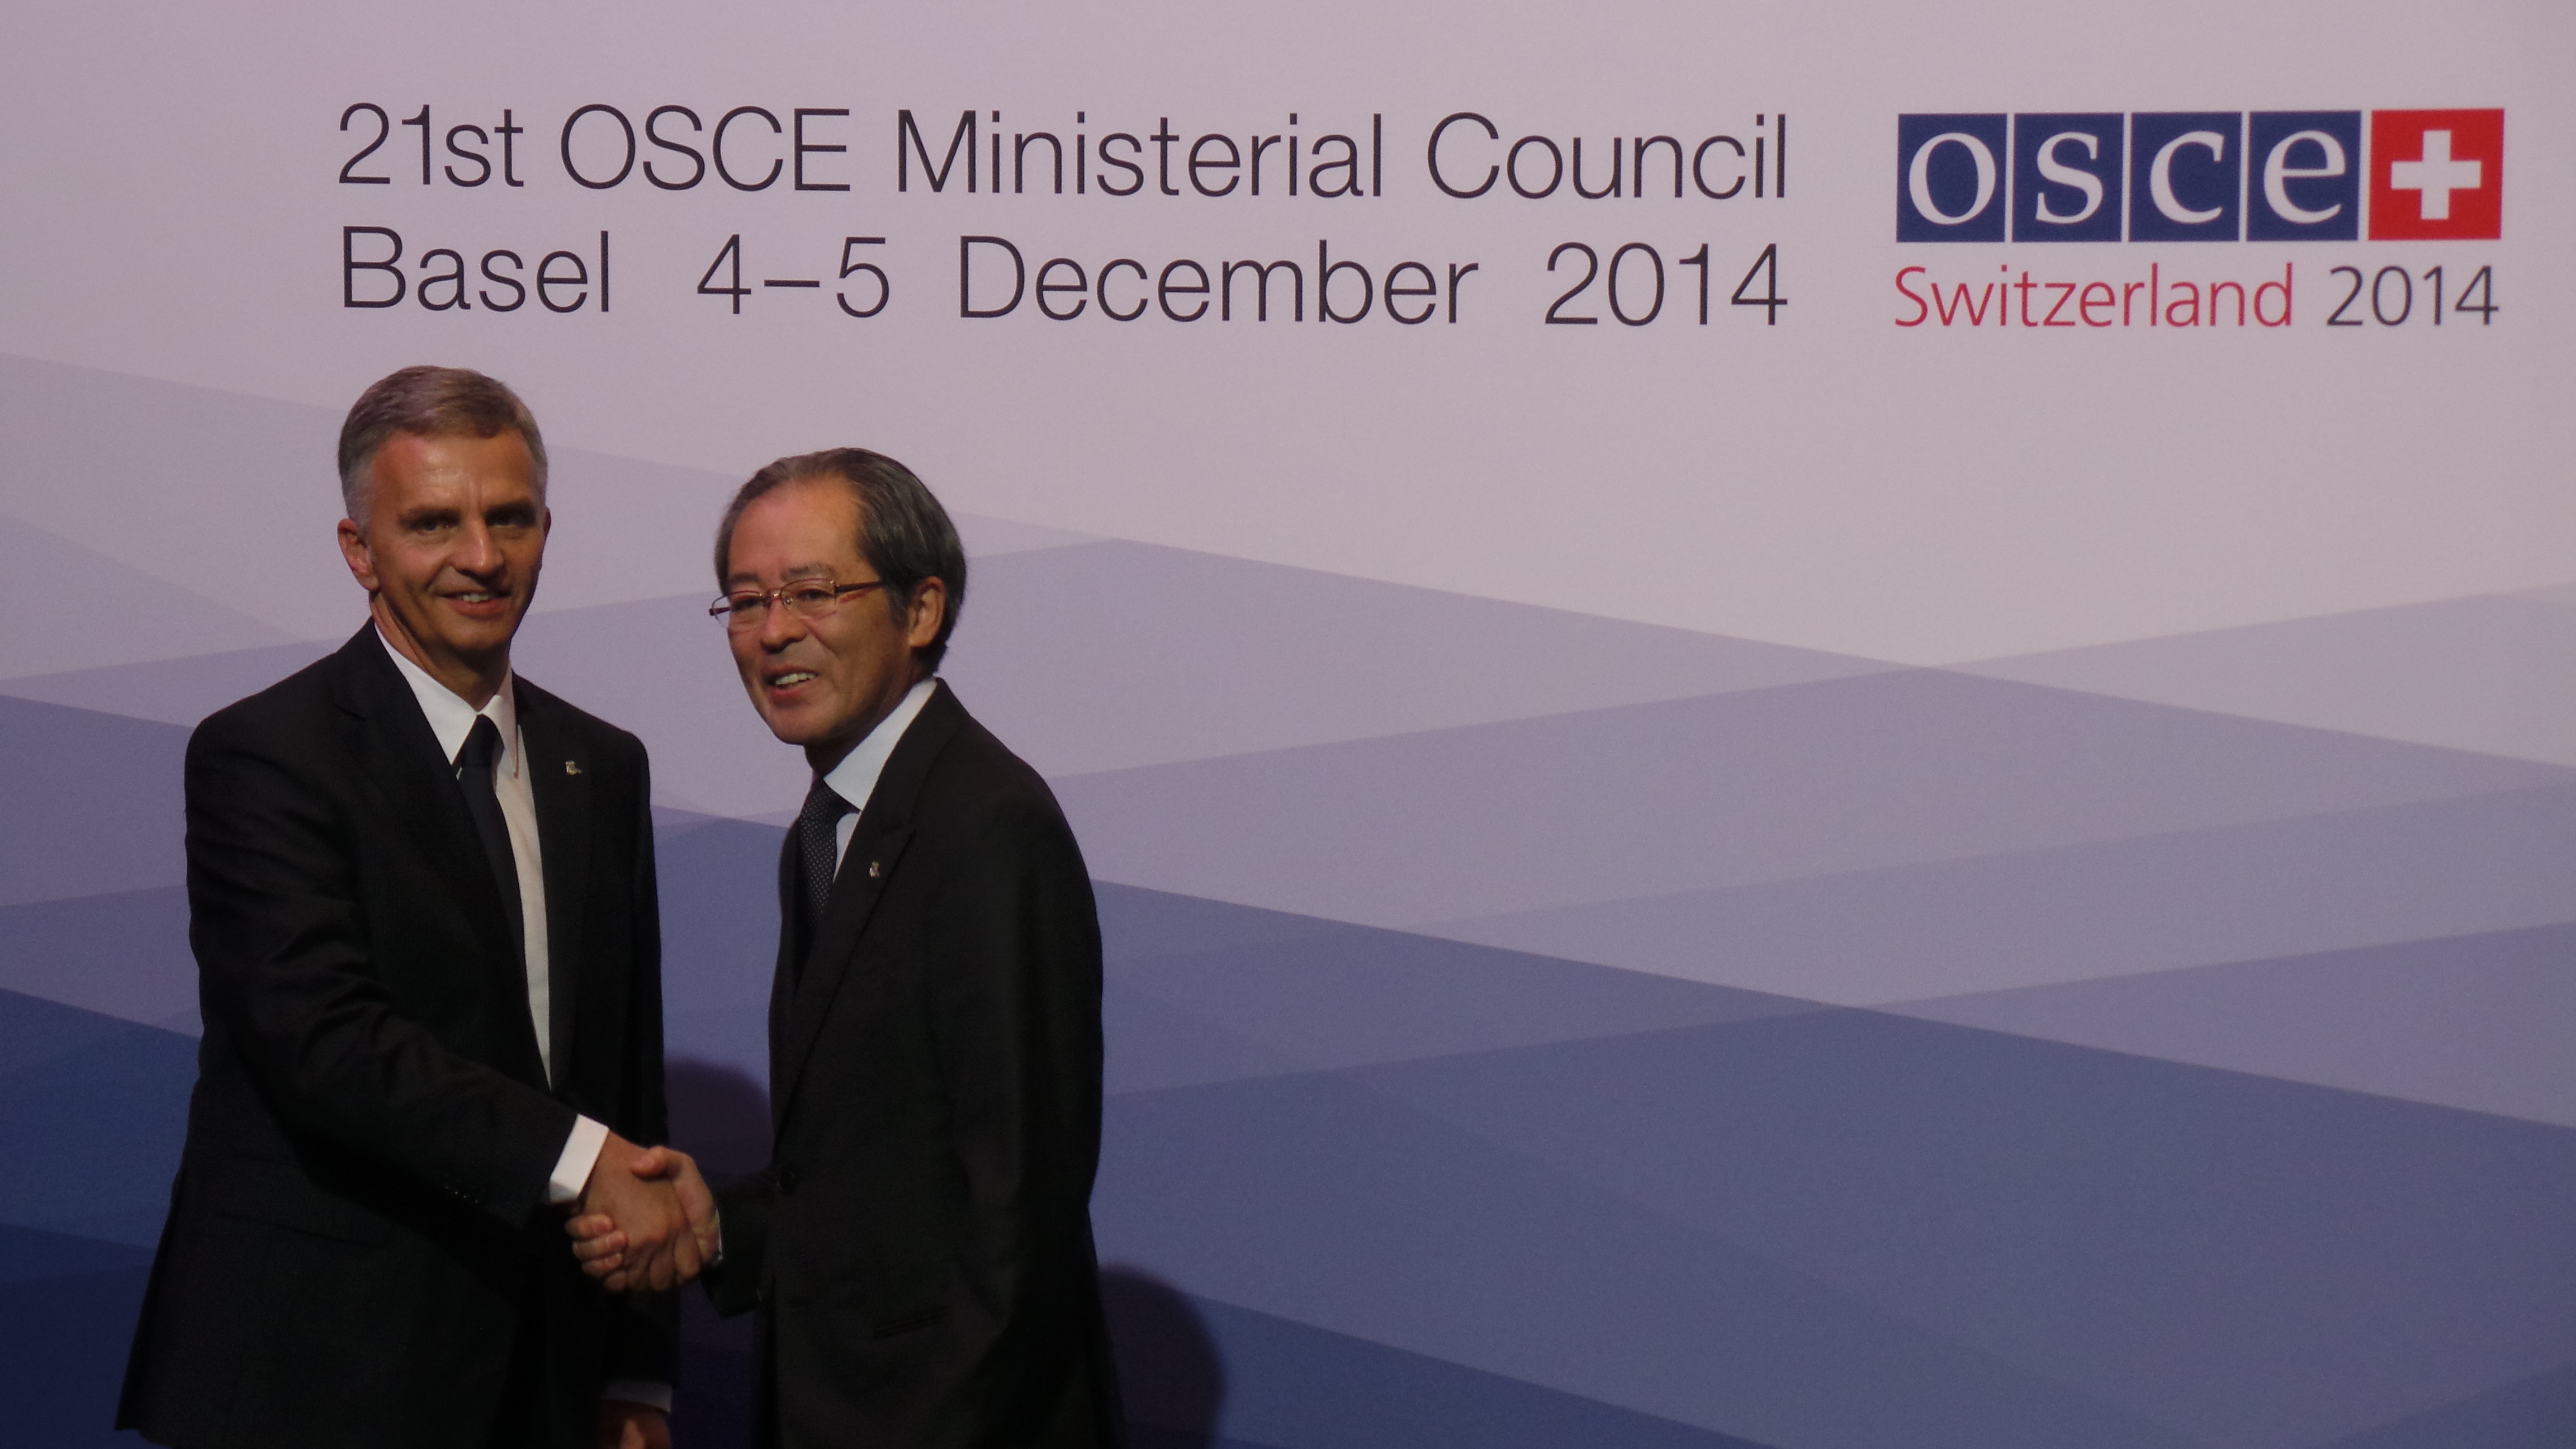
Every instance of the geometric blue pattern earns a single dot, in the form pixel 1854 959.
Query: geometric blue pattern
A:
pixel 92 1113
pixel 62 1351
pixel 1588 1207
pixel 1274 1382
pixel 2535 1410
pixel 2179 1175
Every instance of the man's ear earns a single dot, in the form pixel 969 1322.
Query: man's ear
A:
pixel 929 609
pixel 355 553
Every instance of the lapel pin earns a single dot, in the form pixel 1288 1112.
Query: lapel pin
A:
pixel 572 767
pixel 876 868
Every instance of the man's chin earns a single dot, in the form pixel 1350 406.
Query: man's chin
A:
pixel 811 729
pixel 481 629
pixel 477 643
pixel 463 627
pixel 480 647
pixel 799 727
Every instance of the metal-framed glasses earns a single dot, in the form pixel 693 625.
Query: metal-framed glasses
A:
pixel 805 598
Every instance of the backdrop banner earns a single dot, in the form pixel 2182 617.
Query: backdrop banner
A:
pixel 1841 726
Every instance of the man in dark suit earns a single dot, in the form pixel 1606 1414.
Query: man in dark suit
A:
pixel 919 1248
pixel 422 903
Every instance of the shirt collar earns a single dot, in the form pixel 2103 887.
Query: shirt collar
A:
pixel 452 719
pixel 855 778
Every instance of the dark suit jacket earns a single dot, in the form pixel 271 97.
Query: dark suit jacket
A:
pixel 358 1229
pixel 920 1247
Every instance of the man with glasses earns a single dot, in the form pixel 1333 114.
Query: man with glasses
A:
pixel 919 1248
pixel 420 892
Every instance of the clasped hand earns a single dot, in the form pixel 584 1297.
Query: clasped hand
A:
pixel 646 1222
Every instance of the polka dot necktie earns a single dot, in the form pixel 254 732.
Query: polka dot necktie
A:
pixel 818 851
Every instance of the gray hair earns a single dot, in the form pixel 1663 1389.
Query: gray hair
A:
pixel 904 533
pixel 430 402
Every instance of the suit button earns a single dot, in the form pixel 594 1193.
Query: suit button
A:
pixel 787 1180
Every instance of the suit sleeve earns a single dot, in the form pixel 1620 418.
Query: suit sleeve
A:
pixel 1015 1008
pixel 745 1210
pixel 643 1328
pixel 283 961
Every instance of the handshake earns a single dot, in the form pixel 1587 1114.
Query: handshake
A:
pixel 646 1221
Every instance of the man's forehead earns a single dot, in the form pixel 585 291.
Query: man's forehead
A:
pixel 790 574
pixel 506 443
pixel 451 498
pixel 441 462
pixel 812 521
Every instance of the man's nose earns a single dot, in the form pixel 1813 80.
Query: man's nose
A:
pixel 476 552
pixel 780 626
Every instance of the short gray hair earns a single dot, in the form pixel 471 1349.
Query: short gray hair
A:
pixel 904 533
pixel 431 402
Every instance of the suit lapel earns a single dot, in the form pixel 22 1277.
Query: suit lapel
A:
pixel 409 774
pixel 782 977
pixel 559 779
pixel 867 868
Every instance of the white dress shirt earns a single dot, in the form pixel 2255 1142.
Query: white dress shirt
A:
pixel 451 719
pixel 855 778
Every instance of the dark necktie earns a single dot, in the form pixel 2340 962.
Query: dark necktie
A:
pixel 474 772
pixel 818 851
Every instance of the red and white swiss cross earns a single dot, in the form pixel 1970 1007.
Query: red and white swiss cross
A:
pixel 2436 175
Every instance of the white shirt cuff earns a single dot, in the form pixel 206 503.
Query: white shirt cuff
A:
pixel 572 1174
pixel 639 1391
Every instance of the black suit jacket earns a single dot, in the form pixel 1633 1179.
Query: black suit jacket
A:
pixel 358 1230
pixel 919 1247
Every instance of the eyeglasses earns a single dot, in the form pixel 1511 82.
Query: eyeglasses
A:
pixel 805 598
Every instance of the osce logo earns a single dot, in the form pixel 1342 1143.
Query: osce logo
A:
pixel 2201 176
